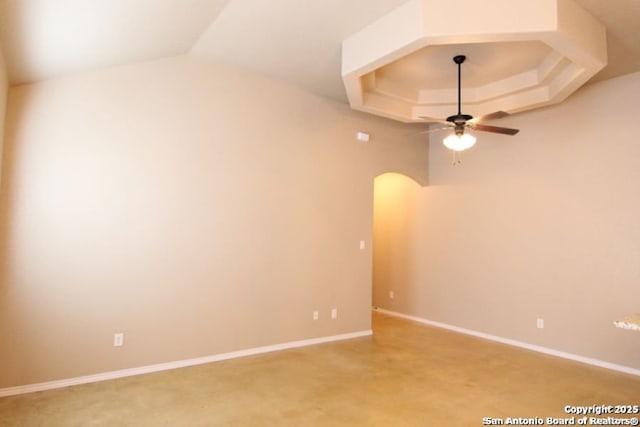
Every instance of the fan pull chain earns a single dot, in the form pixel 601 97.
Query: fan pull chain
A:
pixel 457 158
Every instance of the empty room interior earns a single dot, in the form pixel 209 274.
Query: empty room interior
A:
pixel 323 213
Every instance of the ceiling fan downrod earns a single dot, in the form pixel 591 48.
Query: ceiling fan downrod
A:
pixel 459 59
pixel 459 120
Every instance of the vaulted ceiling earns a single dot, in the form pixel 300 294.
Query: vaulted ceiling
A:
pixel 298 41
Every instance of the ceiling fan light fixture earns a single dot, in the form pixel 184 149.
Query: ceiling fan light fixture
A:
pixel 459 142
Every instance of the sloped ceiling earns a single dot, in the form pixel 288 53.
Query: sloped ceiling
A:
pixel 42 39
pixel 298 41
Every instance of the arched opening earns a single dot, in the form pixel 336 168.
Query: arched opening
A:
pixel 395 198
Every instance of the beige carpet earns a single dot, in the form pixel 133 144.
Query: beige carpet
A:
pixel 407 374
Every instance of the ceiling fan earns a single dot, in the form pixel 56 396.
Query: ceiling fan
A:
pixel 460 140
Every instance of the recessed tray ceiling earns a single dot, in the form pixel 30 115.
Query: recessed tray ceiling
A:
pixel 529 55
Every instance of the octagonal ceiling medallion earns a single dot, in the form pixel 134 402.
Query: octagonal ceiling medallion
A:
pixel 521 54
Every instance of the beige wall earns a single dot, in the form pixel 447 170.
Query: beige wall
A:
pixel 4 90
pixel 197 208
pixel 544 224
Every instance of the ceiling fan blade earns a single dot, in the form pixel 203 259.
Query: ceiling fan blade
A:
pixel 434 120
pixel 422 132
pixel 494 129
pixel 491 116
pixel 436 129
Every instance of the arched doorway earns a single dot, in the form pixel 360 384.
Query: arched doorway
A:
pixel 394 235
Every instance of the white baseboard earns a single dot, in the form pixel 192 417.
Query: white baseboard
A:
pixel 30 388
pixel 537 348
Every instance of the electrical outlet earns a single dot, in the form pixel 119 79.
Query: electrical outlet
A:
pixel 316 315
pixel 118 339
pixel 392 295
pixel 540 323
pixel 334 313
pixel 362 244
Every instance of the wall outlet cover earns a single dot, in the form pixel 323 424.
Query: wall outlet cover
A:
pixel 118 339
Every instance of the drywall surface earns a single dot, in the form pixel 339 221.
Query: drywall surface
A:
pixel 4 91
pixel 545 224
pixel 196 208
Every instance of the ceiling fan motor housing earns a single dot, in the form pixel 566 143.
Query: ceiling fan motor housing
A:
pixel 459 119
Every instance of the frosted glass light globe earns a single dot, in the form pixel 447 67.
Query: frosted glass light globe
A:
pixel 459 142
